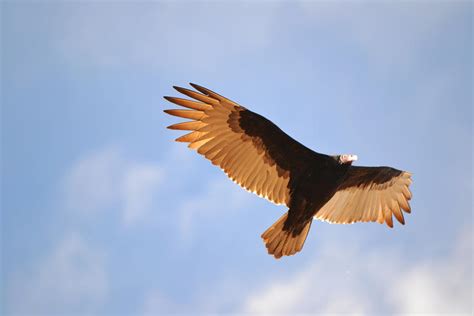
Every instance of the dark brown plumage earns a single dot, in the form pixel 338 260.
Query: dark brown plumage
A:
pixel 261 158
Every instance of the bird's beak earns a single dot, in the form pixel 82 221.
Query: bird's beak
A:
pixel 352 157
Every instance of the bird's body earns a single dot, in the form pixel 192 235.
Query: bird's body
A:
pixel 312 189
pixel 260 157
pixel 312 182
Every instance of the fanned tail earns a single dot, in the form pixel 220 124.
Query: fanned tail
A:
pixel 280 242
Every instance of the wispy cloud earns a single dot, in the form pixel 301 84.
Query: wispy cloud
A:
pixel 215 198
pixel 71 280
pixel 105 179
pixel 372 283
pixel 156 303
pixel 140 184
pixel 92 183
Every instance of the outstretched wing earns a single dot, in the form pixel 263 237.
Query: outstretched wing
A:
pixel 250 149
pixel 369 194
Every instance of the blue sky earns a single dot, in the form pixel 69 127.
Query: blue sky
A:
pixel 103 214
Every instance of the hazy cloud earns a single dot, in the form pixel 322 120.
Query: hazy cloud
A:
pixel 70 280
pixel 157 303
pixel 105 179
pixel 219 196
pixel 91 183
pixel 374 282
pixel 139 186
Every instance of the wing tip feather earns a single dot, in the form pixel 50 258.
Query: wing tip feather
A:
pixel 181 89
pixel 195 86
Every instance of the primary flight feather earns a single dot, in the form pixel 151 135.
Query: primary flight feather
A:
pixel 261 158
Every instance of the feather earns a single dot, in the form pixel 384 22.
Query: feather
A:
pixel 200 97
pixel 190 104
pixel 187 126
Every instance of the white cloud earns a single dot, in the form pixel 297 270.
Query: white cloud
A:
pixel 353 281
pixel 71 280
pixel 331 285
pixel 438 286
pixel 105 179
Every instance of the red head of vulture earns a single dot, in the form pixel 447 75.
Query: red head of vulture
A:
pixel 261 158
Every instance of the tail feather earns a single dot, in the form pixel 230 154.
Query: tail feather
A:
pixel 281 242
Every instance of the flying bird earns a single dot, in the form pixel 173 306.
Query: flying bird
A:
pixel 261 158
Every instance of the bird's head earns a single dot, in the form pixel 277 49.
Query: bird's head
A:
pixel 346 159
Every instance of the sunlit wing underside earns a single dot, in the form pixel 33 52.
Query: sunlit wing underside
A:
pixel 369 202
pixel 216 134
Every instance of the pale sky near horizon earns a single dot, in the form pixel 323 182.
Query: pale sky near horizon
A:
pixel 103 214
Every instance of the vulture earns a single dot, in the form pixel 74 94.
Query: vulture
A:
pixel 263 159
